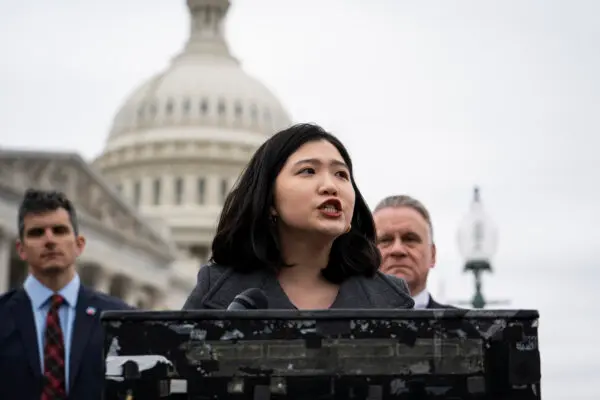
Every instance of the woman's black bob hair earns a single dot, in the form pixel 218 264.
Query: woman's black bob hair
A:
pixel 246 238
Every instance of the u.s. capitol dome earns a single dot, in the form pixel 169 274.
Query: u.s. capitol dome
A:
pixel 180 139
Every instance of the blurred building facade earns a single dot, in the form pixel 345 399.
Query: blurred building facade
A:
pixel 124 255
pixel 153 196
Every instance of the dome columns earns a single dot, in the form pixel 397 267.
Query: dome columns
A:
pixel 120 285
pixel 171 189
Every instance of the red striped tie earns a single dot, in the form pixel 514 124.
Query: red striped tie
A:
pixel 54 354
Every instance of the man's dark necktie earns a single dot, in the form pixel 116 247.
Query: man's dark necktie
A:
pixel 54 354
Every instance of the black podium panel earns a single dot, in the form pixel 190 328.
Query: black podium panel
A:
pixel 329 354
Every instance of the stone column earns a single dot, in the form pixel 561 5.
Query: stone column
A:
pixel 4 263
pixel 144 299
pixel 213 190
pixel 167 189
pixel 127 189
pixel 154 300
pixel 190 189
pixel 131 295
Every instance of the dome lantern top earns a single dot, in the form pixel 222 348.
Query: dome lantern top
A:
pixel 207 30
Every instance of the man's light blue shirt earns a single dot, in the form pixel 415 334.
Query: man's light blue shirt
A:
pixel 40 302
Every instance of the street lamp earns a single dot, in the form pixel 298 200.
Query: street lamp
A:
pixel 477 242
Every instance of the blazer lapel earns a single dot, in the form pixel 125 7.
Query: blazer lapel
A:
pixel 352 294
pixel 25 323
pixel 434 304
pixel 230 284
pixel 82 331
pixel 278 300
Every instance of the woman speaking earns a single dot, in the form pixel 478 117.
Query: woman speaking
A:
pixel 296 226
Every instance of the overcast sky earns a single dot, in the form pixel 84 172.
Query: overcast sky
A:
pixel 431 97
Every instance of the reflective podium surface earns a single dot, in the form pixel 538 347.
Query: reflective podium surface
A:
pixel 328 354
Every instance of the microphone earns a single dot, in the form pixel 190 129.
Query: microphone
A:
pixel 250 299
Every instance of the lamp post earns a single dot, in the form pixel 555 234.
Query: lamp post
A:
pixel 477 242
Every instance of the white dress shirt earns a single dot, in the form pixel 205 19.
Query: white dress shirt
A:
pixel 39 296
pixel 421 300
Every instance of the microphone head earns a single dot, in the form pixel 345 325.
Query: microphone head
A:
pixel 250 299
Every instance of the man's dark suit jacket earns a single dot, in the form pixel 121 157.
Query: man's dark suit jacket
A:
pixel 20 371
pixel 217 286
pixel 434 304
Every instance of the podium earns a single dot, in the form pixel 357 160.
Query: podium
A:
pixel 325 354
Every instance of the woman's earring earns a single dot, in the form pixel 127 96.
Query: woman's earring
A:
pixel 349 228
pixel 274 219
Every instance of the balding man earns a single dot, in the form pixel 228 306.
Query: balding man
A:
pixel 405 240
